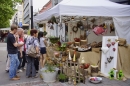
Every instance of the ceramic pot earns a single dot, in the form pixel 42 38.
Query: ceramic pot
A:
pixel 94 71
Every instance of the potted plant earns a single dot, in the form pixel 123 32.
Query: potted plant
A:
pixel 49 72
pixel 62 77
pixel 45 33
pixel 53 39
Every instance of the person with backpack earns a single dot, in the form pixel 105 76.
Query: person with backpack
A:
pixel 32 52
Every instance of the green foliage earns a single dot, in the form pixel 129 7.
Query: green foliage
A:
pixel 50 68
pixel 44 33
pixel 53 39
pixel 7 10
pixel 62 76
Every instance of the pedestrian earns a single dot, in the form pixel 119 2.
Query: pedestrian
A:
pixel 43 44
pixel 12 46
pixel 7 64
pixel 24 37
pixel 32 40
pixel 20 49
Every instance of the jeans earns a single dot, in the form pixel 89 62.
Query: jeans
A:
pixel 24 59
pixel 36 63
pixel 14 63
pixel 30 71
pixel 20 60
pixel 7 64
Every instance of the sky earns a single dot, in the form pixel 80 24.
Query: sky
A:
pixel 38 4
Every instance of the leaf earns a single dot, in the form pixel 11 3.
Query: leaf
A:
pixel 7 10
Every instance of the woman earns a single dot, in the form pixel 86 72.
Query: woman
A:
pixel 43 43
pixel 31 71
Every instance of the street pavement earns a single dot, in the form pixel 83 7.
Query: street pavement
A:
pixel 4 77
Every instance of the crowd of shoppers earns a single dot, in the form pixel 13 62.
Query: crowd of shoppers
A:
pixel 18 45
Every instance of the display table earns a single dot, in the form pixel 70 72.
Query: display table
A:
pixel 123 62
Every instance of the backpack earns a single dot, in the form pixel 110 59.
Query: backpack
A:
pixel 32 50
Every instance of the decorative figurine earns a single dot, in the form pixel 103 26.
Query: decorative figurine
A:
pixel 74 59
pixel 74 81
pixel 69 81
pixel 70 56
pixel 111 74
pixel 120 75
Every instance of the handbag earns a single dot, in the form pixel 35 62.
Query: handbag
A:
pixel 32 51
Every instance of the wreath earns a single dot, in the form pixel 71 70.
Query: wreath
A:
pixel 75 29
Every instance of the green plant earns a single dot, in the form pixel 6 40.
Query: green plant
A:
pixel 62 47
pixel 45 33
pixel 53 39
pixel 62 76
pixel 50 68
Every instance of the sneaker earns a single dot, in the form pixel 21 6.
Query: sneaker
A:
pixel 7 71
pixel 17 76
pixel 35 76
pixel 20 71
pixel 14 79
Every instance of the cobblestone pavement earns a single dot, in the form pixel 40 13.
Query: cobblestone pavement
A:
pixel 4 78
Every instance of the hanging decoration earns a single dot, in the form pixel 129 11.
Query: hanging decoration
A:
pixel 75 29
pixel 52 20
pixel 61 27
pixel 110 59
pixel 51 27
pixel 112 28
pixel 114 49
pixel 93 20
pixel 105 49
pixel 80 25
pixel 87 32
pixel 99 30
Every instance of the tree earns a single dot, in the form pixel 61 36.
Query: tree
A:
pixel 7 10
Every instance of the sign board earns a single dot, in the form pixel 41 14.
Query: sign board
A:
pixel 109 54
pixel 20 24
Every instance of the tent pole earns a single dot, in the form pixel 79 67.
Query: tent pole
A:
pixel 60 18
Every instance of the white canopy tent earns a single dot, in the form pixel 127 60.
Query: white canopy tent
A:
pixel 86 8
pixel 93 8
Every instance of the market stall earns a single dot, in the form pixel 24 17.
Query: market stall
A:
pixel 87 34
pixel 89 8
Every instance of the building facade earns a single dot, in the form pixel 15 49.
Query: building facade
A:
pixel 26 11
pixel 17 18
pixel 46 6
